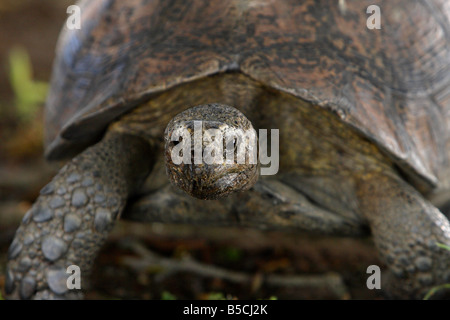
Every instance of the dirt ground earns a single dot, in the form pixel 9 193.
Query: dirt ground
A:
pixel 157 261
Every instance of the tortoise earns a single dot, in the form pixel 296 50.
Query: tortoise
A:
pixel 363 120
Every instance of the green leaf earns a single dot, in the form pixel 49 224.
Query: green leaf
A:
pixel 436 289
pixel 231 254
pixel 443 246
pixel 216 296
pixel 29 94
pixel 166 295
pixel 440 287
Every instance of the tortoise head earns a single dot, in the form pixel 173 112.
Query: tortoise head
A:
pixel 211 151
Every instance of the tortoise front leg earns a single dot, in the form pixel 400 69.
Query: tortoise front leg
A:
pixel 71 219
pixel 407 230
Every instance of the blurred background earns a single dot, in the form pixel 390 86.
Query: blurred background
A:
pixel 152 261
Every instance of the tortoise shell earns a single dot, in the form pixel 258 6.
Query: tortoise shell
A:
pixel 391 84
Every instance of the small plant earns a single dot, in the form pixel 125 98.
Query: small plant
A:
pixel 443 246
pixel 216 296
pixel 442 286
pixel 231 254
pixel 166 295
pixel 25 128
pixel 29 94
pixel 436 289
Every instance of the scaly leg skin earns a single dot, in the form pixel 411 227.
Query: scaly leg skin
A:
pixel 407 230
pixel 71 219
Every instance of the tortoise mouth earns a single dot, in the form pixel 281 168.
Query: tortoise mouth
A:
pixel 208 182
